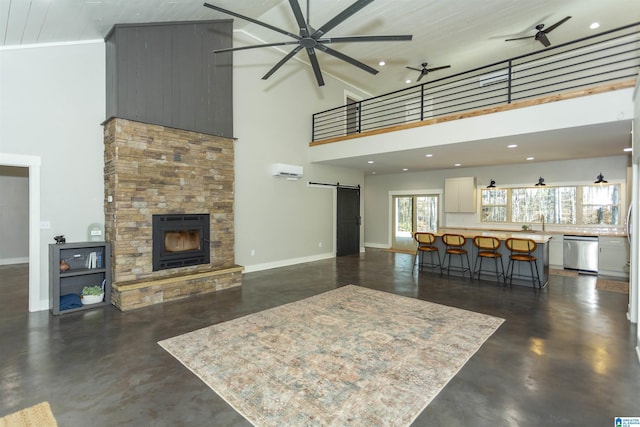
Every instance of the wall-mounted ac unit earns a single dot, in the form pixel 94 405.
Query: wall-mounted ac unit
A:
pixel 287 171
pixel 494 78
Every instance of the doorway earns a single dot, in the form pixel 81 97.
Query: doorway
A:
pixel 412 213
pixel 353 115
pixel 35 288
pixel 348 221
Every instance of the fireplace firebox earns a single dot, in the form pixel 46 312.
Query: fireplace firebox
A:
pixel 180 240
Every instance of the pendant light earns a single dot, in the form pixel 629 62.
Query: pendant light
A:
pixel 492 184
pixel 540 182
pixel 600 179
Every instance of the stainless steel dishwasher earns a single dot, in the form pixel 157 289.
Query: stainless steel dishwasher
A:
pixel 580 253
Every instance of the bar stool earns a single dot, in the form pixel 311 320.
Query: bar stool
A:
pixel 488 248
pixel 426 243
pixel 522 251
pixel 454 244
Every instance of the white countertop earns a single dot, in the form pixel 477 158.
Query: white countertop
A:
pixel 470 233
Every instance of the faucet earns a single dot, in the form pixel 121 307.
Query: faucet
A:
pixel 542 219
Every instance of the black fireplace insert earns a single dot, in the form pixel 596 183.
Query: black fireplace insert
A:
pixel 180 240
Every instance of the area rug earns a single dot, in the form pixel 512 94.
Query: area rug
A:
pixel 39 415
pixel 619 286
pixel 351 356
pixel 566 273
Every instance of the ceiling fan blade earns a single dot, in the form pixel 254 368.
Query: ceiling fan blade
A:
pixel 542 38
pixel 391 38
pixel 421 76
pixel 233 49
pixel 315 65
pixel 556 25
pixel 339 18
pixel 297 12
pixel 346 58
pixel 414 69
pixel 520 38
pixel 255 21
pixel 438 68
pixel 281 62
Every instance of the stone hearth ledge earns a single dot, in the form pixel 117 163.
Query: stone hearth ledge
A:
pixel 138 294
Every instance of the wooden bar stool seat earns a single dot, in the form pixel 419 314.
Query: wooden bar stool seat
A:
pixel 522 251
pixel 454 244
pixel 487 247
pixel 425 243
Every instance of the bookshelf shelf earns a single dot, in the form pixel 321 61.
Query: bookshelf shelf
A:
pixel 73 266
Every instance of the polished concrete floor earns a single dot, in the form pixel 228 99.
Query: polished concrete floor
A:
pixel 565 356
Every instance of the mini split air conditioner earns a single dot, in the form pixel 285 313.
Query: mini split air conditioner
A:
pixel 495 78
pixel 287 171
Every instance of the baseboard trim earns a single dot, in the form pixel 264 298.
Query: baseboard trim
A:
pixel 286 262
pixel 11 261
pixel 377 245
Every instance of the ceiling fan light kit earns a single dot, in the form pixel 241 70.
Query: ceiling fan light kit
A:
pixel 424 70
pixel 541 33
pixel 313 40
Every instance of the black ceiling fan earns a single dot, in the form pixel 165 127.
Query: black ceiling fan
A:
pixel 424 71
pixel 312 39
pixel 541 35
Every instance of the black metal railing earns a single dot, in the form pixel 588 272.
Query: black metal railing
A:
pixel 605 58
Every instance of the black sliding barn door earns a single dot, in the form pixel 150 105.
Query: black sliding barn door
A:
pixel 348 238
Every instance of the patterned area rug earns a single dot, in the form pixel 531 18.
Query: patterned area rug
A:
pixel 619 286
pixel 39 415
pixel 350 356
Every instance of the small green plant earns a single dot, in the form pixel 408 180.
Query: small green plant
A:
pixel 92 290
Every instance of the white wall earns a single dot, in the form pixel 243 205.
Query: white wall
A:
pixel 52 101
pixel 14 215
pixel 377 187
pixel 281 221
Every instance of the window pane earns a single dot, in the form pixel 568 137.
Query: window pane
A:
pixel 557 205
pixel 494 214
pixel 494 197
pixel 426 213
pixel 600 214
pixel 600 204
pixel 403 216
pixel 601 195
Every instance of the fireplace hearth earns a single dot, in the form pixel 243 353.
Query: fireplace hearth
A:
pixel 180 240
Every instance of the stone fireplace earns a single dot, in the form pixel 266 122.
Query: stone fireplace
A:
pixel 179 240
pixel 166 180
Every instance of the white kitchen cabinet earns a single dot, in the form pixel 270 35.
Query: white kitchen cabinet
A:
pixel 556 254
pixel 613 256
pixel 460 194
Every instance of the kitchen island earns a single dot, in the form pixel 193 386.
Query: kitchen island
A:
pixel 522 272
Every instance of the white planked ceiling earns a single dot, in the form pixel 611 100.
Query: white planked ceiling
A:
pixel 462 33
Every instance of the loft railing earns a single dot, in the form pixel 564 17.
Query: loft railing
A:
pixel 605 58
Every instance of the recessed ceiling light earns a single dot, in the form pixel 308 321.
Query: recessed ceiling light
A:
pixel 381 63
pixel 404 169
pixel 512 145
pixel 428 155
pixel 594 25
pixel 370 162
pixel 373 173
pixel 628 149
pixel 530 158
pixel 407 81
pixel 457 164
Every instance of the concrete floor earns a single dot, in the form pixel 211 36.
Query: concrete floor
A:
pixel 564 357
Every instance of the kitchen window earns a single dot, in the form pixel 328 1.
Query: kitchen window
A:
pixel 575 205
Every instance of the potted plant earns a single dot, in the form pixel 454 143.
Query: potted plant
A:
pixel 92 294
